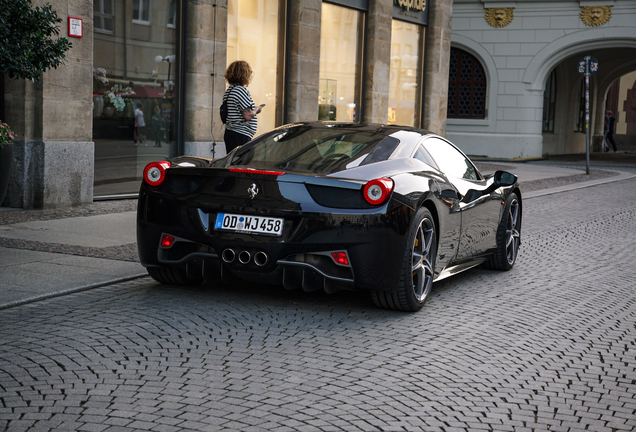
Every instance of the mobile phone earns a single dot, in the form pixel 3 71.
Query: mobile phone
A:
pixel 261 105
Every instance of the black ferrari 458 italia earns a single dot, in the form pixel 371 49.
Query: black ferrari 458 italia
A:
pixel 329 206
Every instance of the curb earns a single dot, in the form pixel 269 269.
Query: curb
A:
pixel 551 191
pixel 70 291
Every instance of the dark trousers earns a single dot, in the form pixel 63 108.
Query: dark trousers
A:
pixel 610 138
pixel 234 139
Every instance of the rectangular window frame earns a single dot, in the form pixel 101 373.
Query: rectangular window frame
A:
pixel 100 17
pixel 141 12
pixel 549 103
pixel 362 7
pixel 419 73
pixel 172 24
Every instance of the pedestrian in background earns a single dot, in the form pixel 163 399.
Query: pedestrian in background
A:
pixel 140 125
pixel 611 123
pixel 241 122
pixel 155 126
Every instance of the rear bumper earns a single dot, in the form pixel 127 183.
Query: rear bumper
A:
pixel 374 242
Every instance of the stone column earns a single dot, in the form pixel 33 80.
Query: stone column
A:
pixel 437 58
pixel 54 153
pixel 303 61
pixel 377 61
pixel 206 57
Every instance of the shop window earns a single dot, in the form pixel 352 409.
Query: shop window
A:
pixel 549 101
pixel 104 16
pixel 253 36
pixel 341 38
pixel 141 11
pixel 407 41
pixel 466 86
pixel 133 79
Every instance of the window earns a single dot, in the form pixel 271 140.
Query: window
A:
pixel 172 13
pixel 141 11
pixel 253 36
pixel 549 101
pixel 404 78
pixel 321 150
pixel 579 110
pixel 127 78
pixel 450 160
pixel 340 50
pixel 104 16
pixel 466 86
pixel 422 155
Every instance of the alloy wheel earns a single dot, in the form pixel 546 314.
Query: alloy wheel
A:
pixel 512 232
pixel 422 267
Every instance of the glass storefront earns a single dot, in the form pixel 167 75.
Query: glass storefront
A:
pixel 405 73
pixel 340 47
pixel 134 82
pixel 252 36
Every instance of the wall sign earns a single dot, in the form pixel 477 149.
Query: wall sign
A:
pixel 419 5
pixel 413 11
pixel 75 27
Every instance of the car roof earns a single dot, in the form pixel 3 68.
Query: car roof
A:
pixel 386 129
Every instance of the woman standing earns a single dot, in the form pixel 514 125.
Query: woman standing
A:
pixel 241 122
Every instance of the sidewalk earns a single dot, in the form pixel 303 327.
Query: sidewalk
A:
pixel 47 253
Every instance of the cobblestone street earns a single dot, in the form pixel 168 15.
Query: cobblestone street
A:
pixel 550 345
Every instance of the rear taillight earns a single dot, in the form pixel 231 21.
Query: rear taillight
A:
pixel 167 241
pixel 377 191
pixel 155 172
pixel 340 258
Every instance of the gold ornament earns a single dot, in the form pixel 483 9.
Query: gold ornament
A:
pixel 499 17
pixel 594 16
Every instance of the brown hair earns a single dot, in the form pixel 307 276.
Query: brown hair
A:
pixel 239 72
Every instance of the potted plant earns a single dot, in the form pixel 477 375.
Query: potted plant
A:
pixel 6 157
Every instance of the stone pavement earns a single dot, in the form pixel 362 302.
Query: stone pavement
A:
pixel 547 346
pixel 53 252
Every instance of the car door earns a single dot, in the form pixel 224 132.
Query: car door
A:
pixel 480 210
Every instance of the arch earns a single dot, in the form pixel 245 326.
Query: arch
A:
pixel 587 40
pixel 492 81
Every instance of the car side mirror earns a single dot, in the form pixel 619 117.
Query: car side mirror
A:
pixel 501 179
pixel 504 178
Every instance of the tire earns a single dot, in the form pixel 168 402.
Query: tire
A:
pixel 508 236
pixel 418 268
pixel 171 276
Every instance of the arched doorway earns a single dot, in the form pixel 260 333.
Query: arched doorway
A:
pixel 564 99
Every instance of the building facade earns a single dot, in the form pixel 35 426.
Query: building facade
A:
pixel 144 81
pixel 515 90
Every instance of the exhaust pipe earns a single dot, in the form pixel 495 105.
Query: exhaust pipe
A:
pixel 244 257
pixel 260 258
pixel 228 255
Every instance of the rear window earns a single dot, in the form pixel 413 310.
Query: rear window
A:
pixel 322 150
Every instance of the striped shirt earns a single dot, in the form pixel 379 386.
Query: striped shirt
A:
pixel 238 99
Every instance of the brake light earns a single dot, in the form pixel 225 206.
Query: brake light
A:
pixel 340 258
pixel 377 191
pixel 255 171
pixel 155 172
pixel 167 241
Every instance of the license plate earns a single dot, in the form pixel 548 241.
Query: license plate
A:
pixel 249 224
